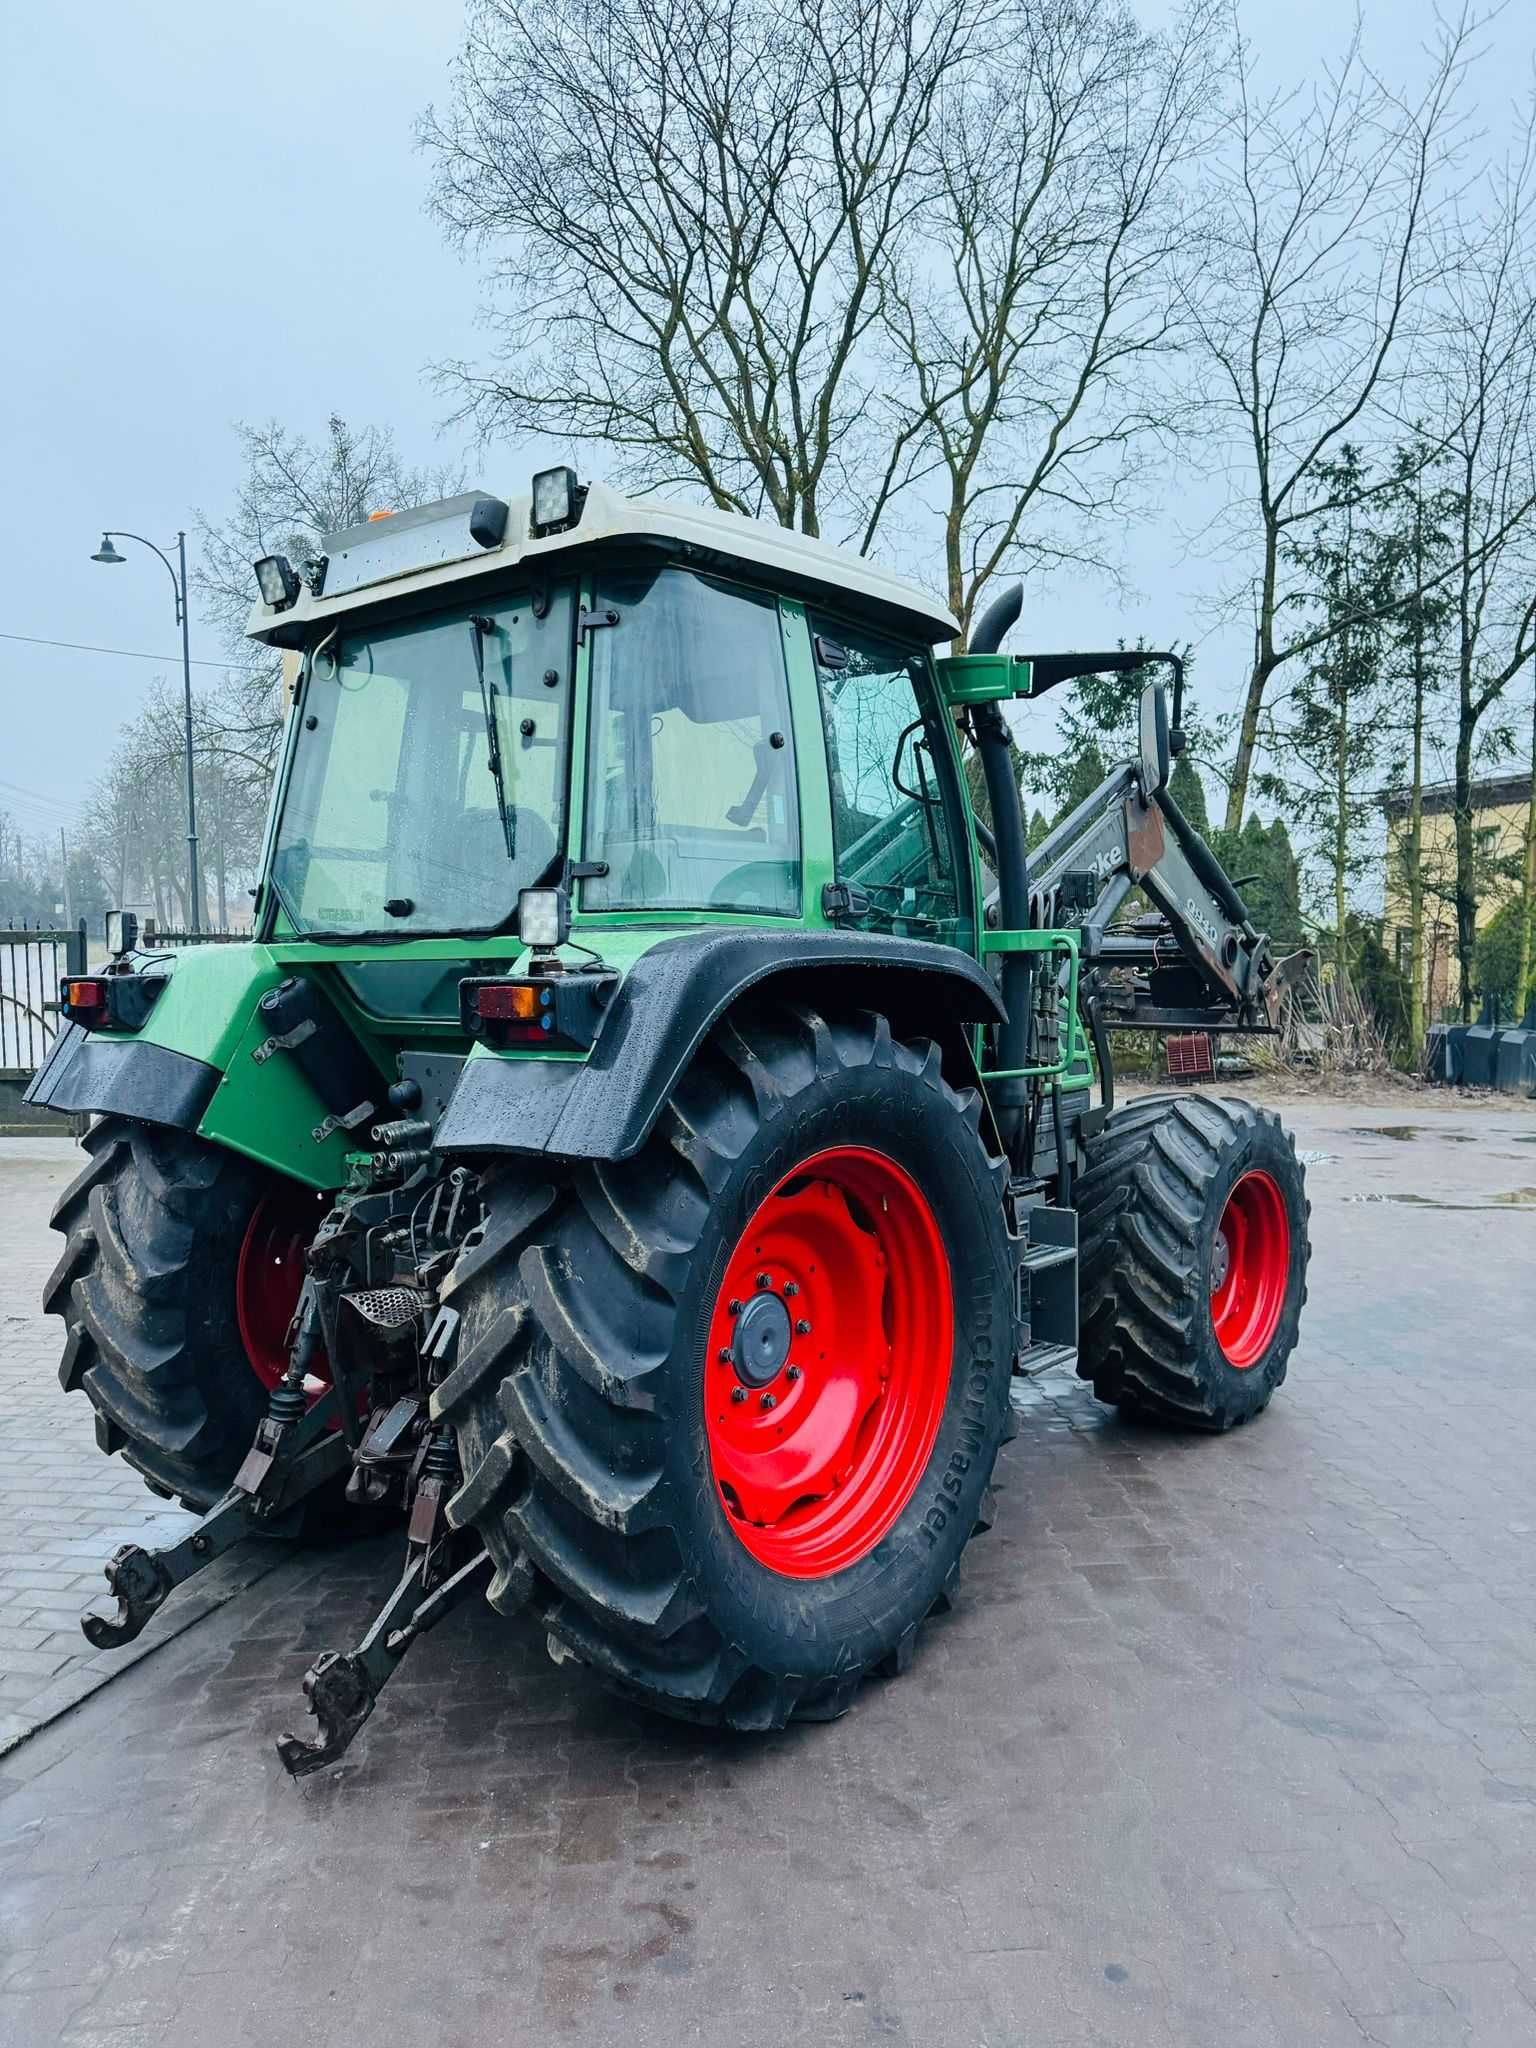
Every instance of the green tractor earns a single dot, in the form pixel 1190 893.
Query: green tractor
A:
pixel 650 1127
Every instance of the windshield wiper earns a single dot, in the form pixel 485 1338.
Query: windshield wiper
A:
pixel 478 628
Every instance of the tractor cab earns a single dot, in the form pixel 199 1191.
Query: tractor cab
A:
pixel 657 710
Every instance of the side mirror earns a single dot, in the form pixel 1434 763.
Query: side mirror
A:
pixel 1155 754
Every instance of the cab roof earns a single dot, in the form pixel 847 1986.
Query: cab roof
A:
pixel 431 548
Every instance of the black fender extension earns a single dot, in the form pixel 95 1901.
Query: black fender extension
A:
pixel 604 1107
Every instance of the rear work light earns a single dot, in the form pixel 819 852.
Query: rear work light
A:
pixel 563 1011
pixel 543 917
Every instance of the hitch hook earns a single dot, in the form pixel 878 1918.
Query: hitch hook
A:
pixel 140 1583
pixel 341 1696
pixel 343 1686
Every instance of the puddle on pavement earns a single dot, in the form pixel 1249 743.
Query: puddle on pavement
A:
pixel 1514 1198
pixel 1406 1133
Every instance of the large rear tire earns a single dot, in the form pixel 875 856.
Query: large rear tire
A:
pixel 728 1411
pixel 179 1260
pixel 1193 1264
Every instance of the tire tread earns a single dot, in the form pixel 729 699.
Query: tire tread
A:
pixel 564 1468
pixel 1142 1200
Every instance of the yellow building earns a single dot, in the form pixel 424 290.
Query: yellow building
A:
pixel 1501 806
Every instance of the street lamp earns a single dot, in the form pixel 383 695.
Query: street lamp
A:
pixel 107 553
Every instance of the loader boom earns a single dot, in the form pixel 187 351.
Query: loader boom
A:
pixel 1114 842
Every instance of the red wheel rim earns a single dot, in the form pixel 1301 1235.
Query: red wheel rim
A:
pixel 269 1276
pixel 1250 1267
pixel 841 1276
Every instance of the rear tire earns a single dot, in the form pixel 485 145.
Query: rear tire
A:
pixel 1193 1218
pixel 589 1387
pixel 147 1290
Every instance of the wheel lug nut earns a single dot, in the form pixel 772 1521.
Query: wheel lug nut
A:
pixel 764 1280
pixel 791 1288
pixel 768 1401
pixel 738 1395
pixel 802 1328
pixel 793 1373
pixel 733 1307
pixel 724 1354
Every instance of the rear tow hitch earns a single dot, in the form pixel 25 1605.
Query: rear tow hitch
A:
pixel 372 1425
pixel 288 1462
pixel 343 1686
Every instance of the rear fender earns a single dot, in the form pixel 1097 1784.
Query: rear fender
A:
pixel 604 1107
pixel 193 1068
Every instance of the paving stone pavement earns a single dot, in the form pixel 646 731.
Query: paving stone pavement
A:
pixel 63 1507
pixel 1228 1742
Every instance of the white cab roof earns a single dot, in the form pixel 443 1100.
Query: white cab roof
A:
pixel 698 535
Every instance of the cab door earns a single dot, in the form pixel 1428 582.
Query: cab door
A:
pixel 897 814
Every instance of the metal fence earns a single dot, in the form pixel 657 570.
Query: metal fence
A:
pixel 154 938
pixel 33 961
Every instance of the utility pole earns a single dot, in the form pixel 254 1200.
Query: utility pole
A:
pixel 194 884
pixel 69 908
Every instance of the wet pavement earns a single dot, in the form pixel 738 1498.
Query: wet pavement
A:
pixel 63 1507
pixel 1228 1742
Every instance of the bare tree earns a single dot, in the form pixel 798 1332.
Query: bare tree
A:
pixel 134 821
pixel 1487 371
pixel 841 263
pixel 1527 881
pixel 690 206
pixel 294 490
pixel 1316 280
pixel 1417 538
pixel 1031 322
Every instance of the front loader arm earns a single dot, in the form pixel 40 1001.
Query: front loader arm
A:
pixel 1198 960
pixel 1204 951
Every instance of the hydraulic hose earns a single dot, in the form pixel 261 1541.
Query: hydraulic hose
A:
pixel 1063 1156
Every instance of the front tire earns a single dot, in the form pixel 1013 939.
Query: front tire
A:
pixel 1193 1267
pixel 692 1547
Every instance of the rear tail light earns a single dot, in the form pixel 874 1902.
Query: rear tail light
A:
pixel 85 1000
pixel 559 1010
pixel 109 1002
pixel 516 1001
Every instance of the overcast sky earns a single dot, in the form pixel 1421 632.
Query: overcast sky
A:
pixel 213 214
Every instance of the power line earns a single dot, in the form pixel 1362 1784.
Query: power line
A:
pixel 18 792
pixel 128 653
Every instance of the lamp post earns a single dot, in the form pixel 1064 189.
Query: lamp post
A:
pixel 107 553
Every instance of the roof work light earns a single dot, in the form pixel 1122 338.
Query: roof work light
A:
pixel 556 500
pixel 277 580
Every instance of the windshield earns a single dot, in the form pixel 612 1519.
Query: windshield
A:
pixel 428 779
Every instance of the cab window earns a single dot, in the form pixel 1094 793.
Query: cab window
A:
pixel 894 804
pixel 691 796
